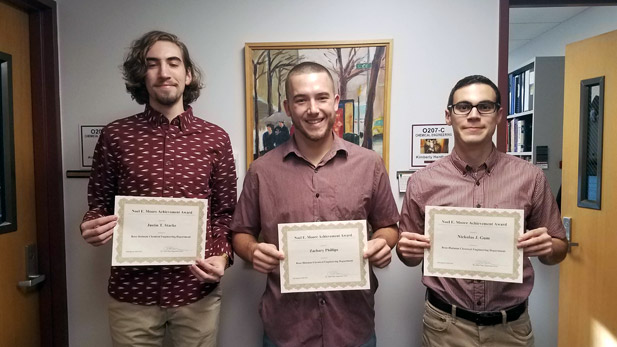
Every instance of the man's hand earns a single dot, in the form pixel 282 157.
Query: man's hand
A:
pixel 98 231
pixel 265 257
pixel 209 270
pixel 378 252
pixel 536 242
pixel 411 247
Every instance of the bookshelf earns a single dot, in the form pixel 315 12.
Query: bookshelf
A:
pixel 535 115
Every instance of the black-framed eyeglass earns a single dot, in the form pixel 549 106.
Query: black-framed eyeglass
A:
pixel 463 108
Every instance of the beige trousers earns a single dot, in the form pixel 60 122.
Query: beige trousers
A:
pixel 441 329
pixel 193 325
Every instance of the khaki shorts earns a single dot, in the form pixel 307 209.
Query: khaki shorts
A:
pixel 193 325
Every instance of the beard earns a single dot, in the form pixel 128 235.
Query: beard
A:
pixel 313 136
pixel 168 99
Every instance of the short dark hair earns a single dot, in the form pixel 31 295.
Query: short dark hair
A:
pixel 473 79
pixel 303 68
pixel 135 67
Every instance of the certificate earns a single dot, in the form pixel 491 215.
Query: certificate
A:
pixel 474 243
pixel 159 231
pixel 323 256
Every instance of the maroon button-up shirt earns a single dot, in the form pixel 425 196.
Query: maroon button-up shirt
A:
pixel 146 155
pixel 503 181
pixel 283 187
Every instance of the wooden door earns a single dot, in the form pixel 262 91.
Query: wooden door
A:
pixel 588 276
pixel 19 310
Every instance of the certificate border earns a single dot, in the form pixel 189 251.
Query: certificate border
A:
pixel 310 287
pixel 124 201
pixel 485 275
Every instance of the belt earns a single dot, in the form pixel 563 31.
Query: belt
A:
pixel 480 318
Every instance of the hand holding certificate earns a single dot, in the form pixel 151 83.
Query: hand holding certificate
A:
pixel 323 256
pixel 159 231
pixel 474 243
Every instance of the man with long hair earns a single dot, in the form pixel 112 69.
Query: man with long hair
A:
pixel 164 151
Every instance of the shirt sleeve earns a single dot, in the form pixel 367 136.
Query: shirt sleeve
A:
pixel 247 218
pixel 383 208
pixel 412 213
pixel 544 209
pixel 103 185
pixel 223 201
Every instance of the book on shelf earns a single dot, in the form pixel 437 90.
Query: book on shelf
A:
pixel 521 91
pixel 520 136
pixel 526 92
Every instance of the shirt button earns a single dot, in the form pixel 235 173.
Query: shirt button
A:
pixel 168 163
pixel 322 301
pixel 317 195
pixel 479 303
pixel 478 205
pixel 478 183
pixel 315 170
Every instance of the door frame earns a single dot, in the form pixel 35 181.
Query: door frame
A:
pixel 49 202
pixel 504 33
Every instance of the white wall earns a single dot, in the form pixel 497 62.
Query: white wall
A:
pixel 433 47
pixel 544 299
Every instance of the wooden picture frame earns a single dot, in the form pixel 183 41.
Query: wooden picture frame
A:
pixel 364 93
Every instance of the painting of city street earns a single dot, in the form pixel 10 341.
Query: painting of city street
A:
pixel 361 73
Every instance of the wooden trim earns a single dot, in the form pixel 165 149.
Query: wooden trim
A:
pixel 504 33
pixel 558 3
pixel 48 168
pixel 502 72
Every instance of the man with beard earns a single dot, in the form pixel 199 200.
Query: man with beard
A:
pixel 315 176
pixel 165 151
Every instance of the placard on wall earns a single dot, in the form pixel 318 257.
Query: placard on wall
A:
pixel 88 137
pixel 430 142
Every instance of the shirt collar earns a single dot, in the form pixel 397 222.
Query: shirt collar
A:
pixel 463 167
pixel 184 120
pixel 338 145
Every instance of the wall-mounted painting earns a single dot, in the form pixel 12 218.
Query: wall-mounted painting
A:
pixel 361 71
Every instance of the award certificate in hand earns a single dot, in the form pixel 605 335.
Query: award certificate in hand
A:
pixel 323 256
pixel 474 243
pixel 159 231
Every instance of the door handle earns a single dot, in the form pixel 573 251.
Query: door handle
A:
pixel 567 223
pixel 32 281
pixel 33 278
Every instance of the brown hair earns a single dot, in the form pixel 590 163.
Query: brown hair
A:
pixel 304 68
pixel 135 67
pixel 473 79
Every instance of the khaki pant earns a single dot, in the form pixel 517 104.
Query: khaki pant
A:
pixel 441 329
pixel 193 325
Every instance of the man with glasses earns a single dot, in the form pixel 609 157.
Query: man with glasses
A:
pixel 461 312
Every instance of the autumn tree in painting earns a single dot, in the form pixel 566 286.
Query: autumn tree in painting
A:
pixel 380 52
pixel 269 63
pixel 344 70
